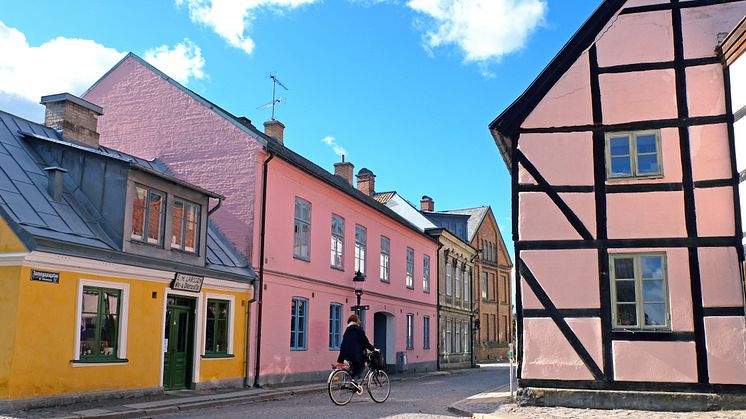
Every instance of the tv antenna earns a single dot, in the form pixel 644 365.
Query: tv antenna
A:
pixel 275 100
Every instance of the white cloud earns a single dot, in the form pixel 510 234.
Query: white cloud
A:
pixel 485 30
pixel 332 142
pixel 182 62
pixel 231 19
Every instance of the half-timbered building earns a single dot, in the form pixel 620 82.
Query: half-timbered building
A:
pixel 626 220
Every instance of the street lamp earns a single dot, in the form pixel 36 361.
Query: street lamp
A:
pixel 358 281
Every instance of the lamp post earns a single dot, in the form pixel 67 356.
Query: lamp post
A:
pixel 358 280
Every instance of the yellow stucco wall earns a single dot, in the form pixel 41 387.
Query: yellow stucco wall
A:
pixel 45 339
pixel 9 280
pixel 9 243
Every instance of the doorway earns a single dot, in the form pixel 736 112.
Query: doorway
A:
pixel 384 338
pixel 178 343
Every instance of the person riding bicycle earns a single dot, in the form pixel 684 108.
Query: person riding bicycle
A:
pixel 352 350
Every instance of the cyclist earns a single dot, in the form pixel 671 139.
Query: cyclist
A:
pixel 352 350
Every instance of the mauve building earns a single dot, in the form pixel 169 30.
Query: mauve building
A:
pixel 626 216
pixel 307 231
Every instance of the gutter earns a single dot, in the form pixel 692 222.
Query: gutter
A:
pixel 216 207
pixel 261 271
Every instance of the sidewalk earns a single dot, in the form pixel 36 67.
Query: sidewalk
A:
pixel 182 401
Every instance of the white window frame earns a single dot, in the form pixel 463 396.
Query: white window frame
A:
pixel 146 217
pixel 198 228
pixel 361 249
pixel 298 231
pixel 426 274
pixel 338 245
pixel 410 268
pixel 426 332
pixel 632 142
pixel 449 285
pixel 124 289
pixel 458 284
pixel 231 321
pixel 639 295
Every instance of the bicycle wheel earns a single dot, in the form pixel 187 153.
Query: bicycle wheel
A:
pixel 340 387
pixel 379 386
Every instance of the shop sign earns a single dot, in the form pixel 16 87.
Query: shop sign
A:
pixel 51 277
pixel 186 282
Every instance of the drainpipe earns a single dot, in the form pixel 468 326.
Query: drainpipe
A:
pixel 247 367
pixel 217 206
pixel 261 273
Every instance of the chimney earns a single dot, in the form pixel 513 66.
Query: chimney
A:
pixel 75 117
pixel 275 129
pixel 366 181
pixel 427 204
pixel 54 182
pixel 344 169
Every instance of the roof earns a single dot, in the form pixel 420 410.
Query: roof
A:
pixel 506 125
pixel 73 225
pixel 383 197
pixel 67 97
pixel 734 45
pixel 476 216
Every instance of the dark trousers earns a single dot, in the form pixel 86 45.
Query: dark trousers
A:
pixel 356 369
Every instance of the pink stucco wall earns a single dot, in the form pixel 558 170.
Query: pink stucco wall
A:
pixel 708 155
pixel 543 150
pixel 548 355
pixel 290 277
pixel 726 349
pixel 579 270
pixel 649 214
pixel 638 96
pixel 703 24
pixel 147 116
pixel 714 216
pixel 655 361
pixel 717 266
pixel 705 94
pixel 543 220
pixel 636 39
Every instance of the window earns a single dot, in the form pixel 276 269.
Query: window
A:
pixel 426 332
pixel 426 273
pixel 298 316
pixel 448 279
pixel 486 327
pixel 410 331
pixel 465 332
pixel 493 288
pixel 335 326
pixel 633 154
pixel 467 286
pixel 185 227
pixel 338 242
pixel 148 207
pixel 505 332
pixel 100 319
pixel 493 324
pixel 485 286
pixel 448 342
pixel 458 281
pixel 504 288
pixel 360 246
pixel 458 336
pixel 410 267
pixel 639 291
pixel 302 230
pixel 216 328
pixel 385 259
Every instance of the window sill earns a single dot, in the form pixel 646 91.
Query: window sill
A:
pixel 386 281
pixel 633 178
pixel 308 259
pixel 410 349
pixel 98 362
pixel 410 288
pixel 146 244
pixel 337 268
pixel 218 356
pixel 298 349
pixel 183 252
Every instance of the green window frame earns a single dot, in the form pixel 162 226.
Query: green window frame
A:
pixel 633 155
pixel 100 323
pixel 217 323
pixel 639 291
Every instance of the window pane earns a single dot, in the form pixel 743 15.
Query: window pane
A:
pixel 176 224
pixel 624 268
pixel 652 267
pixel 620 166
pixel 626 314
pixel 646 143
pixel 88 325
pixel 108 335
pixel 652 290
pixel 155 207
pixel 221 338
pixel 655 314
pixel 192 228
pixel 625 291
pixel 138 213
pixel 647 163
pixel 90 301
pixel 111 301
pixel 210 327
pixel 619 146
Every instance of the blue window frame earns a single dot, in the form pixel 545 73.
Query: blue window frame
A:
pixel 298 323
pixel 426 332
pixel 410 331
pixel 335 326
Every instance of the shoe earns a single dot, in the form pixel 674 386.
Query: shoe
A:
pixel 358 388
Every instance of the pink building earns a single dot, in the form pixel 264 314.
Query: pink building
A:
pixel 625 207
pixel 307 231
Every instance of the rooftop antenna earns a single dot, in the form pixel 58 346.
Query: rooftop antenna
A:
pixel 275 99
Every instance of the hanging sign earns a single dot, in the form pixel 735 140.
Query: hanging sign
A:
pixel 186 282
pixel 51 277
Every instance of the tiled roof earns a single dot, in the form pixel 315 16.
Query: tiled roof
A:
pixel 383 197
pixel 476 215
pixel 28 207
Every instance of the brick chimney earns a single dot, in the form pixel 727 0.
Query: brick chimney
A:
pixel 366 181
pixel 75 117
pixel 344 169
pixel 275 129
pixel 427 204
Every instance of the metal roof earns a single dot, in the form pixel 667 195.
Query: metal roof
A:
pixel 476 215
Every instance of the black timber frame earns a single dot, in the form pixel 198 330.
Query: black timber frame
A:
pixel 508 125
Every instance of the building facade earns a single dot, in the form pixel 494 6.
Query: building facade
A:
pixel 112 279
pixel 283 211
pixel 644 222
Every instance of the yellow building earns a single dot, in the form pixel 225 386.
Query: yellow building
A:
pixel 112 278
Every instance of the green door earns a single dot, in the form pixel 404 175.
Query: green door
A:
pixel 179 335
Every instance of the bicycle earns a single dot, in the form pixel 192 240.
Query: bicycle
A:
pixel 341 389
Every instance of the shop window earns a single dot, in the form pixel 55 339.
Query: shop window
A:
pixel 102 322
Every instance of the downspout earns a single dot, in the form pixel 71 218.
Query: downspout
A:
pixel 472 330
pixel 247 367
pixel 216 207
pixel 261 272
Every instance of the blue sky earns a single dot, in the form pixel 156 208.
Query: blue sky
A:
pixel 405 87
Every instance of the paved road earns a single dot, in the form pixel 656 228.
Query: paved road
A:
pixel 420 398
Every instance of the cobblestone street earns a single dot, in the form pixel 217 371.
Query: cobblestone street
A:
pixel 511 410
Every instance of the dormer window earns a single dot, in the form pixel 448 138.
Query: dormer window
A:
pixel 147 215
pixel 185 226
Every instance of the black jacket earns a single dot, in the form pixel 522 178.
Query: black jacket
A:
pixel 354 344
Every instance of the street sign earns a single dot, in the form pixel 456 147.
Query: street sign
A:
pixel 358 308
